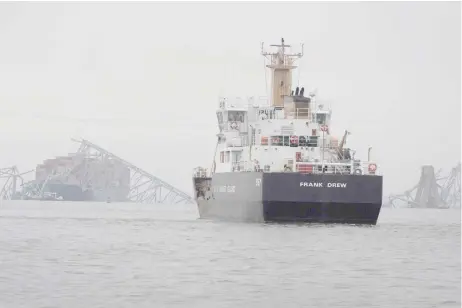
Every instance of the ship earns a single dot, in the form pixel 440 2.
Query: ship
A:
pixel 79 178
pixel 276 160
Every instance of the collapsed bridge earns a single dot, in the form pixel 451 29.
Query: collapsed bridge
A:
pixel 432 191
pixel 95 174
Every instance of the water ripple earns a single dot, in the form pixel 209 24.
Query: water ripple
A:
pixel 95 255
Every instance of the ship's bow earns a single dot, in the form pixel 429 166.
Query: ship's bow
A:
pixel 327 198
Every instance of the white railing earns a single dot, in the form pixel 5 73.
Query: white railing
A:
pixel 318 167
pixel 300 113
pixel 364 168
pixel 303 113
pixel 243 166
pixel 242 102
pixel 311 168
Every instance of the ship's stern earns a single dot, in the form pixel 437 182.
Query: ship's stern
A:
pixel 324 198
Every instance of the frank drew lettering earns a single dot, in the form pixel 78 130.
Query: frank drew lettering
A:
pixel 321 184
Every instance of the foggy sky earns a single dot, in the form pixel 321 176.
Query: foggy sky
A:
pixel 142 79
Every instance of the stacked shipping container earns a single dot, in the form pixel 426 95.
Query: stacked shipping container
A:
pixel 75 177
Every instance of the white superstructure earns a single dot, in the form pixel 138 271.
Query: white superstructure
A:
pixel 288 132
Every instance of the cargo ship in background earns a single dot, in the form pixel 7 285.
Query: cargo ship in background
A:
pixel 79 178
pixel 276 160
pixel 90 174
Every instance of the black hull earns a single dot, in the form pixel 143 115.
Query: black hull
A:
pixel 321 212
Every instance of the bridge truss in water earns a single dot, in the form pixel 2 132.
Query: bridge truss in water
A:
pixel 144 187
pixel 9 178
pixel 92 165
pixel 432 191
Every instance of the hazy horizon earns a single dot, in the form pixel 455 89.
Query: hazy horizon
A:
pixel 390 70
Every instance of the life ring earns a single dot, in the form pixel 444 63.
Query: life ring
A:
pixel 358 171
pixel 233 125
pixel 372 168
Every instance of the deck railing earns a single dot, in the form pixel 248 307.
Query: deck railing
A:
pixel 359 168
pixel 244 166
pixel 356 168
pixel 242 102
pixel 300 113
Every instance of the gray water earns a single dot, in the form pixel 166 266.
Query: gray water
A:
pixel 124 255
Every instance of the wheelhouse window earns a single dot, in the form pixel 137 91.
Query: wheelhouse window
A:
pixel 291 141
pixel 321 118
pixel 236 116
pixel 312 141
pixel 277 140
pixel 235 119
pixel 294 141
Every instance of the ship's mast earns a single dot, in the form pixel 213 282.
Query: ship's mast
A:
pixel 281 65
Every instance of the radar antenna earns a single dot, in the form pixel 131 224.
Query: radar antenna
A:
pixel 281 65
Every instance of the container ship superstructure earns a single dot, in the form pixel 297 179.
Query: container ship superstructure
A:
pixel 276 160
